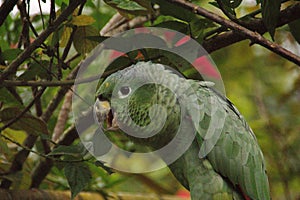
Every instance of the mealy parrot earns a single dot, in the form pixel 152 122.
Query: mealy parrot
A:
pixel 223 161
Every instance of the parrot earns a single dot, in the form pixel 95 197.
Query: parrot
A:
pixel 223 160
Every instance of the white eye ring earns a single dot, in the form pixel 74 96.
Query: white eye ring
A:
pixel 124 92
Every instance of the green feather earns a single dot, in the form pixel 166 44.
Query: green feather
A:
pixel 229 152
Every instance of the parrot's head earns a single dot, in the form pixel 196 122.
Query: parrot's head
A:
pixel 138 100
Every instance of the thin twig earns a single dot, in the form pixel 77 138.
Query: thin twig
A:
pixel 25 110
pixel 42 37
pixel 41 13
pixel 44 166
pixel 6 7
pixel 49 83
pixel 21 156
pixel 38 153
pixel 24 37
pixel 225 11
pixel 68 82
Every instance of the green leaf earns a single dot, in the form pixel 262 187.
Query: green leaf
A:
pixel 119 63
pixel 270 14
pixel 129 5
pixel 82 20
pixel 295 29
pixel 183 66
pixel 199 27
pixel 81 42
pixel 65 36
pixel 4 149
pixel 36 70
pixel 97 38
pixel 28 123
pixel 131 8
pixel 10 54
pixel 73 150
pixel 167 8
pixel 7 98
pixel 78 176
pixel 55 37
pixel 175 25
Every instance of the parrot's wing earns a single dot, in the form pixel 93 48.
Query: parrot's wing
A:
pixel 229 144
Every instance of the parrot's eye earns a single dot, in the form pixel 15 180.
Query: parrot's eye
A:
pixel 124 91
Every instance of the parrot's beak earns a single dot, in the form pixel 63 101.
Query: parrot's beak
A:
pixel 104 113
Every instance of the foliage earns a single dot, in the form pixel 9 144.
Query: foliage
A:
pixel 39 57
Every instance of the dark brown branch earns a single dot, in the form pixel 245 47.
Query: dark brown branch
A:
pixel 21 156
pixel 24 37
pixel 62 116
pixel 68 82
pixel 38 102
pixel 58 97
pixel 31 139
pixel 42 37
pixel 25 110
pixel 44 166
pixel 224 10
pixel 70 41
pixel 225 39
pixel 153 185
pixel 6 7
pixel 246 33
pixel 49 83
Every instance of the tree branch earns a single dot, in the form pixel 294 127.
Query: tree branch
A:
pixel 39 40
pixel 114 22
pixel 58 97
pixel 25 110
pixel 6 7
pixel 21 156
pixel 31 139
pixel 62 116
pixel 44 166
pixel 225 39
pixel 246 33
pixel 68 82
pixel 41 83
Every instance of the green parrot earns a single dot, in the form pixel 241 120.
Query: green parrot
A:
pixel 151 103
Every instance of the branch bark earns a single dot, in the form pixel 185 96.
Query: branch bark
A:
pixel 44 166
pixel 62 117
pixel 240 30
pixel 42 37
pixel 6 7
pixel 69 82
pixel 29 142
pixel 21 156
pixel 230 37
